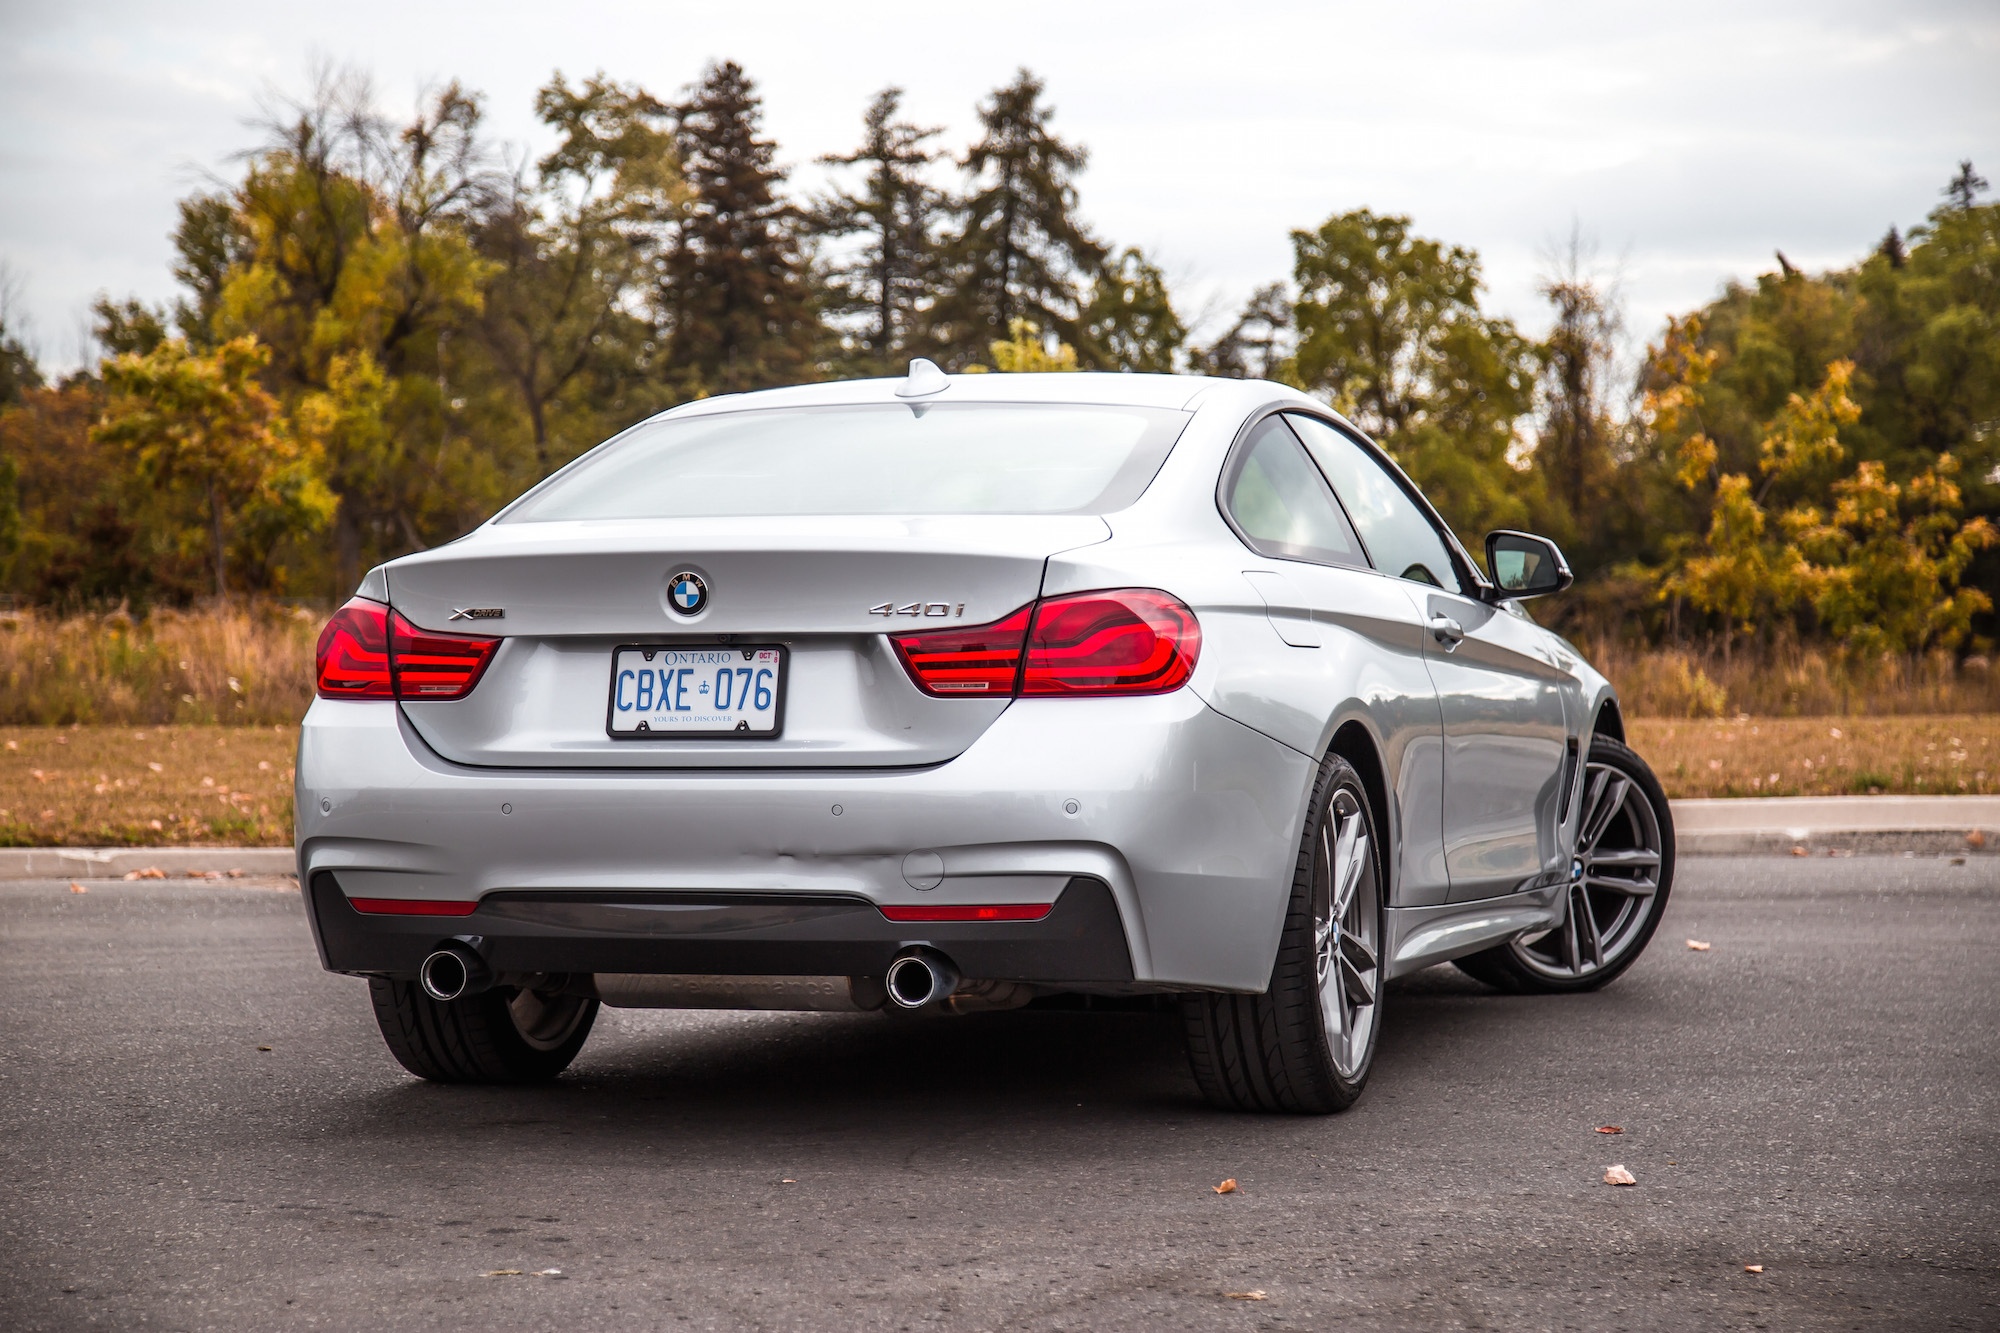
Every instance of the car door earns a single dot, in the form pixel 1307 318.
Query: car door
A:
pixel 1499 689
pixel 1353 632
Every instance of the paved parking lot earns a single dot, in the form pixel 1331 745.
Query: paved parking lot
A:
pixel 1818 1093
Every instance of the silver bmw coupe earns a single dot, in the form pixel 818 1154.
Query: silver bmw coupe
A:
pixel 949 693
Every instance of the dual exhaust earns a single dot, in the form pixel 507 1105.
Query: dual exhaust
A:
pixel 915 977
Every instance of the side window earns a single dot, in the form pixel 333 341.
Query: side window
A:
pixel 1282 504
pixel 1399 536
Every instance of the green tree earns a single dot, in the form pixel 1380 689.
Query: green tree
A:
pixel 568 251
pixel 890 282
pixel 1573 445
pixel 1130 322
pixel 1390 330
pixel 1019 251
pixel 739 308
pixel 204 433
pixel 1254 347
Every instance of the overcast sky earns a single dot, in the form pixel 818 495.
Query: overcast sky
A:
pixel 1688 140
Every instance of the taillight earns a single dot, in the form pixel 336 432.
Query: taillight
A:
pixel 983 660
pixel 1122 641
pixel 368 651
pixel 352 660
pixel 1128 641
pixel 430 665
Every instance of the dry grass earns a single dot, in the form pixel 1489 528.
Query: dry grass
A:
pixel 1791 682
pixel 146 786
pixel 1922 756
pixel 235 664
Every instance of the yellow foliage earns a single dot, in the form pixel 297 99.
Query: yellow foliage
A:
pixel 1025 350
pixel 1806 431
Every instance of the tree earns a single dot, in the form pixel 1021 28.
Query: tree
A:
pixel 1390 330
pixel 127 326
pixel 18 371
pixel 740 312
pixel 569 250
pixel 891 280
pixel 1019 252
pixel 1573 445
pixel 1130 322
pixel 1965 188
pixel 1888 562
pixel 1028 350
pixel 1254 347
pixel 206 435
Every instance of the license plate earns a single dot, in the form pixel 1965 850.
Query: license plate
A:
pixel 718 692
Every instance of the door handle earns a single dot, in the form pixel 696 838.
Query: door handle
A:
pixel 1447 631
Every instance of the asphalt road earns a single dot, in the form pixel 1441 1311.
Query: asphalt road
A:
pixel 1819 1093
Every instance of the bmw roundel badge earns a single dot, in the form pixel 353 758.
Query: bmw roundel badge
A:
pixel 687 593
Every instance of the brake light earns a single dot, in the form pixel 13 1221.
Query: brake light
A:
pixel 352 659
pixel 1120 641
pixel 368 651
pixel 1127 641
pixel 430 665
pixel 412 907
pixel 983 660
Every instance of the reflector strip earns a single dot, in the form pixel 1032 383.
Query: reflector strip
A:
pixel 987 912
pixel 412 907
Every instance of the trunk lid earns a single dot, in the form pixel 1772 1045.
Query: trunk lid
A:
pixel 572 592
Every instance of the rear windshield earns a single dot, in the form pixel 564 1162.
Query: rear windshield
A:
pixel 940 458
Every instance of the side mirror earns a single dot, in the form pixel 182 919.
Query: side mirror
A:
pixel 1525 565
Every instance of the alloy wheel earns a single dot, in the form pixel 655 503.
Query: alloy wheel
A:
pixel 1613 878
pixel 545 1019
pixel 1346 933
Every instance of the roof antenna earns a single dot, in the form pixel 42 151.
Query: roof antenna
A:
pixel 925 379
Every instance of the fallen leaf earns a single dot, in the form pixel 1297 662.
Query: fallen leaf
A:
pixel 263 1048
pixel 504 1272
pixel 38 775
pixel 75 887
pixel 12 746
pixel 1976 838
pixel 157 768
pixel 788 1181
pixel 1800 851
pixel 546 1272
pixel 1753 1268
pixel 154 825
pixel 1699 946
pixel 1611 1129
pixel 1227 1187
pixel 1618 1175
pixel 150 872
pixel 1246 1295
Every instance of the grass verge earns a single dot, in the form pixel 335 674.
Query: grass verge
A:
pixel 177 786
pixel 1952 755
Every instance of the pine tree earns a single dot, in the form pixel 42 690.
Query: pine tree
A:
pixel 1020 251
pixel 739 310
pixel 891 281
pixel 1254 346
pixel 1131 323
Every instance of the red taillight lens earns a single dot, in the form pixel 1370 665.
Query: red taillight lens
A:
pixel 368 651
pixel 1122 641
pixel 411 907
pixel 430 665
pixel 983 660
pixel 1126 641
pixel 352 660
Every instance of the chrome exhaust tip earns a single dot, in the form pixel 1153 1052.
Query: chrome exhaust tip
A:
pixel 453 971
pixel 919 977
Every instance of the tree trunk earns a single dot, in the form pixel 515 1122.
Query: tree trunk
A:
pixel 215 536
pixel 346 549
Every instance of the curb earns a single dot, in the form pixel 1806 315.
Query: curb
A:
pixel 117 862
pixel 1861 825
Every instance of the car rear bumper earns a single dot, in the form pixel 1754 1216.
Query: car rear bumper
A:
pixel 1081 940
pixel 1175 825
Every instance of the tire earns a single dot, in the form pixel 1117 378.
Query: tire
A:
pixel 1306 1044
pixel 502 1035
pixel 1621 877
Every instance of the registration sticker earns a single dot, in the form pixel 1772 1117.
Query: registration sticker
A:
pixel 724 691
